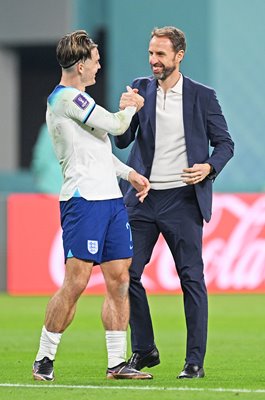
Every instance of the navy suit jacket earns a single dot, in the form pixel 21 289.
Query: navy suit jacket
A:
pixel 204 126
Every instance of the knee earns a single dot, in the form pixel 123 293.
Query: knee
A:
pixel 75 286
pixel 79 286
pixel 191 281
pixel 122 277
pixel 123 281
pixel 119 286
pixel 123 288
pixel 193 272
pixel 73 290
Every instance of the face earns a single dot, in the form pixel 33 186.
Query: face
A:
pixel 89 68
pixel 162 58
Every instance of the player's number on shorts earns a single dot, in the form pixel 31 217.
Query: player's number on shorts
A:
pixel 129 227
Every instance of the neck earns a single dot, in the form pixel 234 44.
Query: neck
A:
pixel 170 81
pixel 73 81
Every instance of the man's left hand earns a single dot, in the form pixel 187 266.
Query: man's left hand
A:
pixel 196 173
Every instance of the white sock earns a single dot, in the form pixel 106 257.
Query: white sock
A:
pixel 49 342
pixel 116 342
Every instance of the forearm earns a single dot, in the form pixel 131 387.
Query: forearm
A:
pixel 124 140
pixel 128 137
pixel 114 123
pixel 122 170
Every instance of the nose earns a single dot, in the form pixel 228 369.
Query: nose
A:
pixel 152 60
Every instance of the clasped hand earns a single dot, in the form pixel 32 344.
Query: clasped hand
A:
pixel 131 98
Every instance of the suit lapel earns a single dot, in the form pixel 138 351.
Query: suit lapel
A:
pixel 151 103
pixel 188 105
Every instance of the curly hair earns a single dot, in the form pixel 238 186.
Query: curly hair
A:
pixel 74 47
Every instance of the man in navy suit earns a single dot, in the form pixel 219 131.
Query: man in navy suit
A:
pixel 172 133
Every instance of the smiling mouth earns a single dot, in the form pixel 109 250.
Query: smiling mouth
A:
pixel 155 69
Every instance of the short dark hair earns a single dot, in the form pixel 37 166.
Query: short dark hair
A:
pixel 175 35
pixel 74 47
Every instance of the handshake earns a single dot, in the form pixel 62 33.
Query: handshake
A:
pixel 131 98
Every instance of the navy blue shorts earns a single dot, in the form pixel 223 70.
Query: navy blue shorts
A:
pixel 96 231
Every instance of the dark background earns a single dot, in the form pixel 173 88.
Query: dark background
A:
pixel 39 74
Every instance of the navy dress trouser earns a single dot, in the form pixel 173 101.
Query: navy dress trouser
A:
pixel 174 213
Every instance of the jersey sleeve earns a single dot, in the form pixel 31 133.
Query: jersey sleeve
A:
pixel 122 170
pixel 114 123
pixel 79 105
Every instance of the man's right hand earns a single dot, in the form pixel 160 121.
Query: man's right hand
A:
pixel 131 98
pixel 140 183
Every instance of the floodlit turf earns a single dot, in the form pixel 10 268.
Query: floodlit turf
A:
pixel 235 356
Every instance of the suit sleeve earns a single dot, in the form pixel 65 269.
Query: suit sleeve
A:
pixel 219 137
pixel 129 135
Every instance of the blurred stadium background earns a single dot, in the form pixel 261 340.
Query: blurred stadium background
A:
pixel 225 50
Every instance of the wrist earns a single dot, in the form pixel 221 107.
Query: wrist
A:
pixel 129 176
pixel 212 174
pixel 210 168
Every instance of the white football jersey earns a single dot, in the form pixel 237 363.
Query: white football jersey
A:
pixel 78 127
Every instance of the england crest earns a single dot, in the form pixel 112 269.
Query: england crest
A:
pixel 92 246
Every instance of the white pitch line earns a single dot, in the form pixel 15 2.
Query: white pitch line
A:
pixel 154 388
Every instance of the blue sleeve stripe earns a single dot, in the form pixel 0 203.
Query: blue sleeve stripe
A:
pixel 54 94
pixel 89 112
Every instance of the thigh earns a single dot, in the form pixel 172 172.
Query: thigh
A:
pixel 145 235
pixel 115 273
pixel 118 242
pixel 186 247
pixel 181 225
pixel 84 225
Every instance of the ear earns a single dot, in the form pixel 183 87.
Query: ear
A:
pixel 80 67
pixel 180 55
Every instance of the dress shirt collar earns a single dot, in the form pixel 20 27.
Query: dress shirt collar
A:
pixel 177 88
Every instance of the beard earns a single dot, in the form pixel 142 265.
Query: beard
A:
pixel 165 73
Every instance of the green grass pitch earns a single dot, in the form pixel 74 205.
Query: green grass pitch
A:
pixel 234 365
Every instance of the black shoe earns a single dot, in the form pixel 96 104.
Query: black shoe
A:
pixel 43 370
pixel 124 371
pixel 149 360
pixel 191 371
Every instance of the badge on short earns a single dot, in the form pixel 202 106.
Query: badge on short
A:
pixel 92 246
